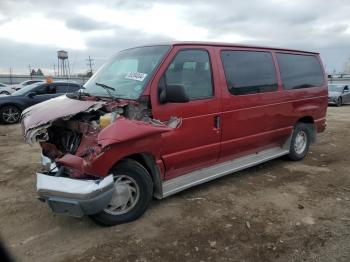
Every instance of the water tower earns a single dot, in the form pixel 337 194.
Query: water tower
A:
pixel 63 63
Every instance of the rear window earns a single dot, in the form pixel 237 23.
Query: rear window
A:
pixel 300 71
pixel 249 72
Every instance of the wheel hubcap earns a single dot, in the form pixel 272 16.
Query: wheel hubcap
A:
pixel 300 142
pixel 125 196
pixel 10 115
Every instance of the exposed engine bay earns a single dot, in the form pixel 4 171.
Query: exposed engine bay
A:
pixel 74 134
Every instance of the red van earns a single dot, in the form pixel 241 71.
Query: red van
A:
pixel 158 119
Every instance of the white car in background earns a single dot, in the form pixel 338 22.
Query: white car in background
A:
pixel 5 89
pixel 25 83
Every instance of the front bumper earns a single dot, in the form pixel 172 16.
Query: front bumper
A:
pixel 332 100
pixel 75 197
pixel 48 164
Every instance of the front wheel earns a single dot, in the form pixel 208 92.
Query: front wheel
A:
pixel 132 195
pixel 300 142
pixel 10 114
pixel 4 93
pixel 339 102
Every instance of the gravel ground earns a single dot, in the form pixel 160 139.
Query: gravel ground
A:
pixel 277 211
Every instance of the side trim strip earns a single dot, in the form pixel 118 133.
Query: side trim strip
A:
pixel 200 176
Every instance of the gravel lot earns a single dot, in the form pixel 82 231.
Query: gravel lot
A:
pixel 278 211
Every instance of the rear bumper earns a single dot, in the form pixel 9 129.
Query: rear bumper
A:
pixel 75 197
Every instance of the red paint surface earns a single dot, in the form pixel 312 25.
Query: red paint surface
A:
pixel 248 123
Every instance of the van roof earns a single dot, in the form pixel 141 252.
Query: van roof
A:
pixel 175 43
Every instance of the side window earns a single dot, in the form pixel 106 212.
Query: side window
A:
pixel 51 89
pixel 299 71
pixel 62 89
pixel 249 72
pixel 41 90
pixel 71 88
pixel 192 69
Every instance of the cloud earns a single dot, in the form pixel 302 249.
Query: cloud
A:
pixel 85 24
pixel 101 28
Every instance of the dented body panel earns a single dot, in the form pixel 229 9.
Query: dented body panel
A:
pixel 85 136
pixel 60 107
pixel 99 148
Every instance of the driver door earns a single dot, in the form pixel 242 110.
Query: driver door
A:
pixel 196 142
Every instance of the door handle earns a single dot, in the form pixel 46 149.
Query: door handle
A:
pixel 217 122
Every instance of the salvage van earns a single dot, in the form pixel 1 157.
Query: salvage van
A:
pixel 158 119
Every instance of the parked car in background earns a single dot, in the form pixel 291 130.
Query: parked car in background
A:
pixel 11 106
pixel 25 83
pixel 338 94
pixel 156 120
pixel 5 89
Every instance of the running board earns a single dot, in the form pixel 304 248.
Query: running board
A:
pixel 200 176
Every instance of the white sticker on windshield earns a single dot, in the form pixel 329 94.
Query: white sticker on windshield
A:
pixel 136 76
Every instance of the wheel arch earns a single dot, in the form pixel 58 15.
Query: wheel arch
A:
pixel 310 122
pixel 12 104
pixel 148 161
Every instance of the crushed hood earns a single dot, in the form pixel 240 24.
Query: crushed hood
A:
pixel 40 116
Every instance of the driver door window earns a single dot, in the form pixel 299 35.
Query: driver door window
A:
pixel 41 90
pixel 191 68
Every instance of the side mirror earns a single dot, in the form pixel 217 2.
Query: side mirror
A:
pixel 174 93
pixel 31 94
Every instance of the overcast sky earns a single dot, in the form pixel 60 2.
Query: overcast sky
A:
pixel 32 31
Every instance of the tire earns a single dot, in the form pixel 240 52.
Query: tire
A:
pixel 339 102
pixel 129 175
pixel 10 114
pixel 4 93
pixel 300 142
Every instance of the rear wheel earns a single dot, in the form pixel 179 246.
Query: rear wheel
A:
pixel 10 114
pixel 132 195
pixel 339 102
pixel 300 142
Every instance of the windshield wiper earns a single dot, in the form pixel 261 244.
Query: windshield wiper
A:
pixel 107 88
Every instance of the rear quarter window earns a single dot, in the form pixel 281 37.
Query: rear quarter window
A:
pixel 300 71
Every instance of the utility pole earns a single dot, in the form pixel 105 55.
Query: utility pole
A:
pixel 90 63
pixel 30 71
pixel 11 75
pixel 54 69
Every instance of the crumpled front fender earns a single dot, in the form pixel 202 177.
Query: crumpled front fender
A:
pixel 121 139
pixel 124 130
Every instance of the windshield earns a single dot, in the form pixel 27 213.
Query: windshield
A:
pixel 127 73
pixel 335 88
pixel 26 89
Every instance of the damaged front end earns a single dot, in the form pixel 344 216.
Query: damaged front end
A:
pixel 76 135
